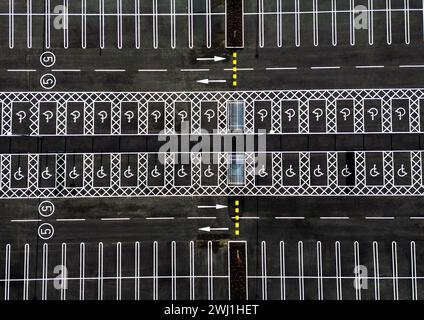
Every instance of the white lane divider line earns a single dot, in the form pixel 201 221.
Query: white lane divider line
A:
pixel 155 271
pixel 325 68
pixel 109 70
pixel 7 273
pixel 339 292
pixel 407 21
pixel 357 271
pixel 414 271
pixel 334 22
pixel 282 272
pixel 395 273
pixel 379 218
pixel 411 65
pixel 210 271
pixel 137 24
pixel 66 70
pixel 301 271
pixel 201 218
pixel 173 271
pixel 118 271
pixel 11 24
pixel 82 271
pixel 64 273
pixel 26 220
pixel 370 67
pixel 289 218
pixel 334 218
pixel 115 219
pixel 155 25
pixel 84 24
pixel 70 220
pixel 264 279
pixel 26 271
pixel 102 23
pixel 160 218
pixel 100 272
pixel 389 22
pixel 152 70
pixel 119 23
pixel 319 271
pixel 192 278
pixel 281 68
pixel 195 70
pixel 376 265
pixel 137 270
pixel 21 70
pixel 370 22
pixel 29 24
pixel 47 33
pixel 65 24
pixel 45 264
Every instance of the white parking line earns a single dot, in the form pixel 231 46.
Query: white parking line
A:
pixel 301 270
pixel 119 22
pixel 82 271
pixel 352 22
pixel 11 24
pixel 26 271
pixel 45 264
pixel 297 23
pixel 173 32
pixel 173 271
pixel 155 25
pixel 83 24
pixel 413 271
pixel 264 279
pixel 389 21
pixel 357 271
pixel 137 26
pixel 406 19
pixel 279 23
pixel 261 23
pixel 7 273
pixel 208 24
pixel 376 265
pixel 395 271
pixel 47 24
pixel 315 22
pixel 339 292
pixel 210 271
pixel 65 24
pixel 137 270
pixel 319 271
pixel 282 272
pixel 370 22
pixel 155 271
pixel 190 23
pixel 29 24
pixel 64 273
pixel 102 23
pixel 334 22
pixel 118 271
pixel 100 272
pixel 192 287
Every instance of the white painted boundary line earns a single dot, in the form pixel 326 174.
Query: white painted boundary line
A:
pixel 190 23
pixel 339 292
pixel 84 24
pixel 279 23
pixel 301 271
pixel 173 271
pixel 82 271
pixel 47 24
pixel 65 24
pixel 334 22
pixel 119 271
pixel 282 272
pixel 414 293
pixel 29 24
pixel 137 271
pixel 173 26
pixel 376 265
pixel 407 22
pixel 389 21
pixel 319 271
pixel 297 22
pixel 352 22
pixel 192 287
pixel 208 24
pixel 261 32
pixel 357 270
pixel 370 22
pixel 26 271
pixel 7 273
pixel 11 24
pixel 45 264
pixel 100 272
pixel 264 279
pixel 315 22
pixel 119 23
pixel 155 271
pixel 137 24
pixel 64 273
pixel 155 25
pixel 102 23
pixel 210 271
pixel 395 271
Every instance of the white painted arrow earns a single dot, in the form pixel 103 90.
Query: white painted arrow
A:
pixel 209 229
pixel 207 81
pixel 214 59
pixel 217 206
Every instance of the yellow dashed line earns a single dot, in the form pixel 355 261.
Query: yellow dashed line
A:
pixel 235 69
pixel 237 218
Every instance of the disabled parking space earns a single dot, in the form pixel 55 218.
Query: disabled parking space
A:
pixel 374 175
pixel 19 172
pixel 346 169
pixel 129 170
pixel 318 168
pixel 402 168
pixel 264 169
pixel 47 171
pixel 291 169
pixel 182 170
pixel 74 171
pixel 209 169
pixel 155 170
pixel 101 171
